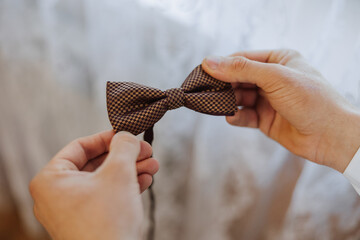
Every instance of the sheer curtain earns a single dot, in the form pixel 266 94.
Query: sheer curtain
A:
pixel 216 181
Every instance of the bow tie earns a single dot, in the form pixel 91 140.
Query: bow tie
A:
pixel 135 108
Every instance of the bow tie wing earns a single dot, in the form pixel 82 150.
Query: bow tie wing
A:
pixel 133 107
pixel 205 94
pixel 220 103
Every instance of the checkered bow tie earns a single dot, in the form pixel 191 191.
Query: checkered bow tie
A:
pixel 135 108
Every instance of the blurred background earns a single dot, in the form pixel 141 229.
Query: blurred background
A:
pixel 215 181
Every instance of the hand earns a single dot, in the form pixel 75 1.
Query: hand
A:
pixel 89 190
pixel 291 103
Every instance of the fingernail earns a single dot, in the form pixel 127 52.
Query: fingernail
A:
pixel 123 133
pixel 213 62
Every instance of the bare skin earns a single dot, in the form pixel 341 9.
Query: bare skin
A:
pixel 91 188
pixel 290 102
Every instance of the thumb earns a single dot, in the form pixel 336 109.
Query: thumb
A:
pixel 120 164
pixel 234 69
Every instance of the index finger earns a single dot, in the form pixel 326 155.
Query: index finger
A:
pixel 259 55
pixel 268 56
pixel 76 154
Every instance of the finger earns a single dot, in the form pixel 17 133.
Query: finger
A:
pixel 149 166
pixel 259 55
pixel 243 85
pixel 245 97
pixel 93 164
pixel 266 115
pixel 246 117
pixel 145 154
pixel 145 151
pixel 120 162
pixel 144 181
pixel 77 153
pixel 268 56
pixel 241 70
pixel 248 85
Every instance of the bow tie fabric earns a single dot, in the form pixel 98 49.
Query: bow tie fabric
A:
pixel 135 108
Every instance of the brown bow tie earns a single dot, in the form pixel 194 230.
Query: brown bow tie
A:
pixel 135 108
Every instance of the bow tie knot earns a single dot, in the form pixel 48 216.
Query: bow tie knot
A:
pixel 175 98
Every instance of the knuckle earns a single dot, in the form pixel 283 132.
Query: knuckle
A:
pixel 75 141
pixel 36 212
pixel 33 186
pixel 291 53
pixel 239 63
pixel 44 183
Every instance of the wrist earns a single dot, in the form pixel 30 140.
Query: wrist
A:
pixel 342 140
